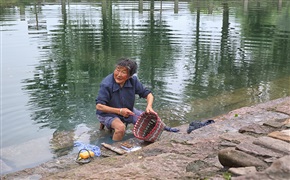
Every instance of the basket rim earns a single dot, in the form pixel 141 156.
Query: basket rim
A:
pixel 154 133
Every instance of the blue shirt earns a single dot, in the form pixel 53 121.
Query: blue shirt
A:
pixel 111 94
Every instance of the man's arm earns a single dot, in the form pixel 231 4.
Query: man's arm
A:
pixel 150 99
pixel 108 109
pixel 121 111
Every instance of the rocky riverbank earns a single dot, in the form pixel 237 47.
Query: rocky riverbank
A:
pixel 247 143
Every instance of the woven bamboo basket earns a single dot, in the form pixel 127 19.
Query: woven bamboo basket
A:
pixel 148 127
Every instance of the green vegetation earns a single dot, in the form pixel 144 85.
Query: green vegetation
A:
pixel 227 175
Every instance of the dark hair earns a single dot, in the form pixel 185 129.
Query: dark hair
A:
pixel 129 64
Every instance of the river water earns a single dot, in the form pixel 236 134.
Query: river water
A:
pixel 200 58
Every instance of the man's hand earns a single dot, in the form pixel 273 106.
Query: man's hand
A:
pixel 149 109
pixel 126 112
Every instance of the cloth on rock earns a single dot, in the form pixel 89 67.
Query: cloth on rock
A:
pixel 197 124
pixel 171 129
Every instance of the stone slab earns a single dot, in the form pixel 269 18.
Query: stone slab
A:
pixel 284 107
pixel 229 157
pixel 280 170
pixel 274 144
pixel 276 123
pixel 256 128
pixel 282 135
pixel 251 148
pixel 243 170
pixel 235 137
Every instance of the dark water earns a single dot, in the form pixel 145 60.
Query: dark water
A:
pixel 200 59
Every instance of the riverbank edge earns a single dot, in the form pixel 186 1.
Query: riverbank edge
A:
pixel 174 156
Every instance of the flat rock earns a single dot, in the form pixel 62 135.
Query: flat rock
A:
pixel 282 135
pixel 270 160
pixel 243 170
pixel 228 144
pixel 276 123
pixel 284 107
pixel 230 157
pixel 280 169
pixel 236 137
pixel 196 166
pixel 255 128
pixel 249 147
pixel 274 144
pixel 287 123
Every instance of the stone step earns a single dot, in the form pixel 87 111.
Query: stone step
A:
pixel 235 137
pixel 283 135
pixel 276 123
pixel 249 147
pixel 279 170
pixel 274 144
pixel 256 129
pixel 230 157
pixel 243 170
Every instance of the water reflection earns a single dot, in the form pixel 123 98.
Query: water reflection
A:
pixel 200 58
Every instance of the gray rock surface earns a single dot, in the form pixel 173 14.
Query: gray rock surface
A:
pixel 243 170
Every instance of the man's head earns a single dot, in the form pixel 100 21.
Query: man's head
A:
pixel 124 70
pixel 129 64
